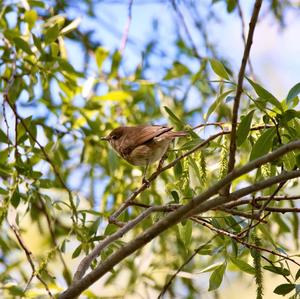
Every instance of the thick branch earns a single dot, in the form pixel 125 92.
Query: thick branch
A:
pixel 86 262
pixel 199 204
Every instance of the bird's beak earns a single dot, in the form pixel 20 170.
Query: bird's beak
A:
pixel 104 138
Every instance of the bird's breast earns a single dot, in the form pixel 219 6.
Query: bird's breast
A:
pixel 147 153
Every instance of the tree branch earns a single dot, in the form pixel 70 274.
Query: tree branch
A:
pixel 28 254
pixel 239 90
pixel 198 204
pixel 126 31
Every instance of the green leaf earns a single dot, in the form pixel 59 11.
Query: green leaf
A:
pixel 175 196
pixel 77 251
pixel 178 170
pixel 173 117
pixel 294 91
pixel 110 229
pixel 266 95
pixel 216 277
pixel 46 183
pixel 178 70
pixel 116 61
pixel 30 17
pixel 116 95
pixel 244 128
pixel 16 291
pixel 297 274
pixel 66 66
pixel 3 137
pixel 187 233
pixel 245 267
pixel 219 69
pixel 51 34
pixel 58 20
pixel 101 54
pixel 15 198
pixel 23 45
pixel 284 288
pixel 263 144
pixel 3 191
pixel 37 42
pixel 278 270
pixel 217 102
pixel 231 4
pixel 211 267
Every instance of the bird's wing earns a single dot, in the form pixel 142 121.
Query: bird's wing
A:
pixel 141 134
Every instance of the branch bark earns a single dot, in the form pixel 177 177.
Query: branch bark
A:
pixel 239 90
pixel 199 204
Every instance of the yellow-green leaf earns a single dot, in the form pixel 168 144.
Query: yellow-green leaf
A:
pixel 117 95
pixel 219 69
pixel 101 54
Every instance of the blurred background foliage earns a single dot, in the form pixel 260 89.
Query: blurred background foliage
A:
pixel 67 86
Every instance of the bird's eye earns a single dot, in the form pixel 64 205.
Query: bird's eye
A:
pixel 113 137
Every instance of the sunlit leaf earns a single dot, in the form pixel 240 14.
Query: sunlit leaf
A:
pixel 30 17
pixel 116 95
pixel 23 45
pixel 243 266
pixel 173 117
pixel 101 54
pixel 51 34
pixel 266 95
pixel 73 25
pixel 219 68
pixel 217 102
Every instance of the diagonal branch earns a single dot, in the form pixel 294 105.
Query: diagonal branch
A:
pixel 198 204
pixel 28 254
pixel 86 262
pixel 154 176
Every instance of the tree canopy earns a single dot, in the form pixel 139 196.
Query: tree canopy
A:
pixel 73 213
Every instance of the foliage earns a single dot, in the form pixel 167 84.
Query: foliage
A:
pixel 59 178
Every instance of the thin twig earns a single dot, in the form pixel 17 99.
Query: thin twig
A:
pixel 167 285
pixel 198 204
pixel 86 261
pixel 241 15
pixel 260 198
pixel 239 90
pixel 126 31
pixel 247 230
pixel 28 254
pixel 52 233
pixel 186 29
pixel 145 185
pixel 47 157
pixel 249 245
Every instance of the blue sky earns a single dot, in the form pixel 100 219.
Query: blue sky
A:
pixel 274 53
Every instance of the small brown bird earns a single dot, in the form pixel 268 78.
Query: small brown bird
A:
pixel 142 145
